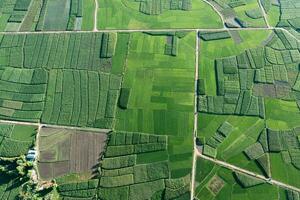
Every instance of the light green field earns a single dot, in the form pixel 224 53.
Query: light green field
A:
pixel 231 189
pixel 124 14
pixel 273 15
pixel 211 50
pixel 161 99
pixel 281 115
pixel 284 172
pixel 250 4
pixel 88 15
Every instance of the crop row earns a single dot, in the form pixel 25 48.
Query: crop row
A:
pixel 58 51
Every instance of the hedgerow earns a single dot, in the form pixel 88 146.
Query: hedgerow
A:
pixel 207 36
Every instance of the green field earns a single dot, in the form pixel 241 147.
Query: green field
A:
pixel 155 105
pixel 215 182
pixel 46 15
pixel 125 14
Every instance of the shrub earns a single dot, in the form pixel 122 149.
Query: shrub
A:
pixel 254 151
pixel 274 141
pixel 119 162
pixel 220 77
pixel 151 172
pixel 230 65
pixel 247 181
pixel 150 147
pixel 263 140
pixel 146 190
pixel 264 162
pixel 209 151
pixel 295 157
pixel 213 142
pixel 116 181
pixel 113 193
pixel 124 98
pixel 292 195
pixel 225 129
pixel 112 151
pixel 201 87
pixel 207 36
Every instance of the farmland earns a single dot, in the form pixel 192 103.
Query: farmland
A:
pixel 261 137
pixel 37 70
pixel 215 182
pixel 39 15
pixel 16 140
pixel 64 151
pixel 150 99
pixel 128 14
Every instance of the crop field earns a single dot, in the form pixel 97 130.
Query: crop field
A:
pixel 150 99
pixel 16 140
pixel 125 176
pixel 289 14
pixel 251 117
pixel 150 74
pixel 46 15
pixel 68 79
pixel 127 14
pixel 215 182
pixel 64 151
pixel 240 13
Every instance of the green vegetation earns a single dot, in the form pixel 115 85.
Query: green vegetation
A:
pixel 62 78
pixel 46 15
pixel 217 183
pixel 155 105
pixel 127 14
pixel 15 140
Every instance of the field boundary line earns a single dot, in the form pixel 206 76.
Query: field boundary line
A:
pixel 244 171
pixel 218 12
pixel 195 117
pixel 142 30
pixel 264 13
pixel 55 126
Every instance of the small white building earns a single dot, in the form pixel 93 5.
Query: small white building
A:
pixel 31 155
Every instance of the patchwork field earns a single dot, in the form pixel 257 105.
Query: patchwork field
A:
pixel 134 166
pixel 127 14
pixel 108 99
pixel 250 117
pixel 68 79
pixel 65 151
pixel 154 105
pixel 215 182
pixel 46 15
pixel 241 13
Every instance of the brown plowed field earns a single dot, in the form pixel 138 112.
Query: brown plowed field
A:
pixel 64 151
